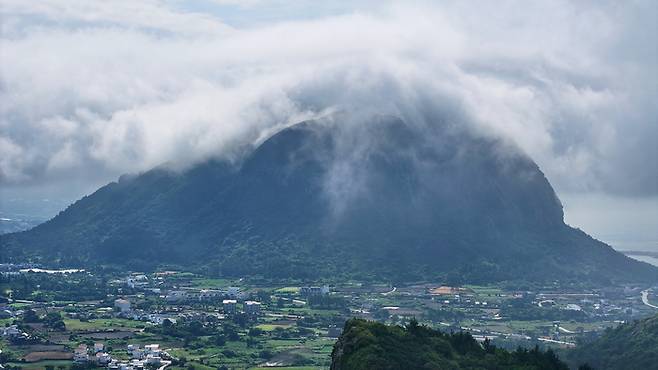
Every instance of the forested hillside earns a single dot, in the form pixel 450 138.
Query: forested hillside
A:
pixel 368 345
pixel 629 346
pixel 389 200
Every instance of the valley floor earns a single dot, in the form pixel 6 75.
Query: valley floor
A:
pixel 209 323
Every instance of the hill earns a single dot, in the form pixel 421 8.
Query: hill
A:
pixel 372 345
pixel 628 346
pixel 327 199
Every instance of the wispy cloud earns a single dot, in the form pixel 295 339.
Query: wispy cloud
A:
pixel 114 87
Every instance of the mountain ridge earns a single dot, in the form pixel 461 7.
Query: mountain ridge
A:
pixel 387 198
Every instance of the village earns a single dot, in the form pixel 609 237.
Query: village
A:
pixel 181 320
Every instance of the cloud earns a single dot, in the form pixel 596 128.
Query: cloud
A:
pixel 109 88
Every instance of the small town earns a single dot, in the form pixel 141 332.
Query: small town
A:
pixel 59 319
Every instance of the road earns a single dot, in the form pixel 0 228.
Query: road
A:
pixel 645 299
pixel 564 330
pixel 390 291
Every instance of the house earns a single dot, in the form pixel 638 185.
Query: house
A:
pixel 153 360
pixel 120 366
pixel 80 355
pixel 229 306
pixel 159 319
pixel 307 291
pixel 176 296
pixel 252 308
pixel 135 352
pixel 122 305
pixel 334 331
pixel 103 358
pixel 573 307
pixel 152 349
pixel 11 331
pixel 233 292
pixel 99 347
pixel 209 294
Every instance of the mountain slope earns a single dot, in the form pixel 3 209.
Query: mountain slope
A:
pixel 629 346
pixel 372 345
pixel 324 198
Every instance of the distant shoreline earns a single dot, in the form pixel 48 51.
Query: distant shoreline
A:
pixel 641 253
pixel 650 257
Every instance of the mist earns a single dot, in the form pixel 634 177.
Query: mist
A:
pixel 90 92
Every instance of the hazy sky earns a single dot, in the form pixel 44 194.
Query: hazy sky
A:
pixel 90 90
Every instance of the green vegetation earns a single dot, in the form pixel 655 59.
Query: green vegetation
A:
pixel 466 218
pixel 298 330
pixel 628 346
pixel 372 345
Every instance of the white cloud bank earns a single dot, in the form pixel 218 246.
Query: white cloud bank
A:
pixel 95 89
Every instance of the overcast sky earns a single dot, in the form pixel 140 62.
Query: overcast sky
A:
pixel 90 90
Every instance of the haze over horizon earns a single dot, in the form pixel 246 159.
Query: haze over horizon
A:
pixel 92 91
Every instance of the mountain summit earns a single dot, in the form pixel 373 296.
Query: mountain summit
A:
pixel 320 198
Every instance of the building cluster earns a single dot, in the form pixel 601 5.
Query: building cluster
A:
pixel 13 333
pixel 95 355
pixel 308 291
pixel 9 269
pixel 140 357
pixel 122 306
pixel 202 295
pixel 251 308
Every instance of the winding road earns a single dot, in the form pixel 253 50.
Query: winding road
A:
pixel 645 299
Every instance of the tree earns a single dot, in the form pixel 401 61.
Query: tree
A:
pixel 166 323
pixel 30 316
pixel 454 279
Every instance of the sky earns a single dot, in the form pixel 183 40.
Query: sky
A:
pixel 90 90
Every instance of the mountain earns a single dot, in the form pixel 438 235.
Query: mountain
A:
pixel 11 225
pixel 329 198
pixel 628 346
pixel 372 345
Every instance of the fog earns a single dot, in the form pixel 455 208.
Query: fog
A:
pixel 91 90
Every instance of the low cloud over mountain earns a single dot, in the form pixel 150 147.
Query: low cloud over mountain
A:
pixel 126 87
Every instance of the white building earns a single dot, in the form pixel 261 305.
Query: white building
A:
pixel 233 292
pixel 159 319
pixel 123 305
pixel 11 331
pixel 209 294
pixel 103 358
pixel 152 349
pixel 314 290
pixel 153 360
pixel 229 306
pixel 176 296
pixel 573 307
pixel 99 347
pixel 135 351
pixel 80 354
pixel 252 308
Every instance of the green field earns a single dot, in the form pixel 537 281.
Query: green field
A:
pixel 207 283
pixel 102 324
pixel 271 327
pixel 40 365
pixel 288 290
pixel 293 368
